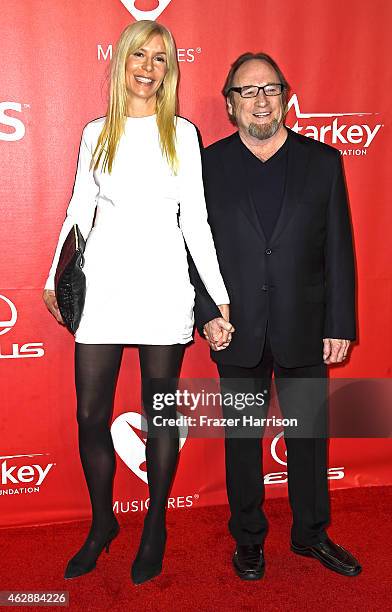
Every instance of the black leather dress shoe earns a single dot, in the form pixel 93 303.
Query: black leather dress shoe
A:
pixel 333 556
pixel 248 561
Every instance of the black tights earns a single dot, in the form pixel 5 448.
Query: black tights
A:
pixel 96 372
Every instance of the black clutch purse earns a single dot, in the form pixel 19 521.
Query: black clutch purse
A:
pixel 70 281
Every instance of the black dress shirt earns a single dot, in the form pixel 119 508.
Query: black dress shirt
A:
pixel 266 184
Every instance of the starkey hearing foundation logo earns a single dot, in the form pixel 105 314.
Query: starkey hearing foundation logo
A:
pixel 351 135
pixel 19 476
pixel 129 439
pixel 279 455
pixel 145 9
pixel 8 318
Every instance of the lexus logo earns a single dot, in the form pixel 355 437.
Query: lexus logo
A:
pixel 17 126
pixel 139 14
pixel 6 325
pixel 129 440
pixel 277 449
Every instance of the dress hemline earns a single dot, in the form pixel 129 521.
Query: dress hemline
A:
pixel 136 343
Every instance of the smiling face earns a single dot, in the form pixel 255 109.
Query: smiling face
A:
pixel 145 70
pixel 260 117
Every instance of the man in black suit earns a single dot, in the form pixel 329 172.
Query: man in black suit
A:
pixel 278 210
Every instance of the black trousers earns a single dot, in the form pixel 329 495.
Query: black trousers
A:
pixel 302 394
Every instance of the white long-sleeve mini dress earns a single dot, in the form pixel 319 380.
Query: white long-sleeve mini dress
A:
pixel 138 287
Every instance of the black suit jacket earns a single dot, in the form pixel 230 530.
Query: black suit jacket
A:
pixel 301 281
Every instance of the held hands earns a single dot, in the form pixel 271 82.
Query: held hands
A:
pixel 335 350
pixel 218 332
pixel 49 298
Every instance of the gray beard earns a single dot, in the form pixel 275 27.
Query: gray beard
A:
pixel 262 132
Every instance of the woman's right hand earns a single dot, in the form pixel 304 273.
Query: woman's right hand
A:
pixel 49 298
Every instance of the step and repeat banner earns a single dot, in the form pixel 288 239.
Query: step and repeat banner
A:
pixel 55 58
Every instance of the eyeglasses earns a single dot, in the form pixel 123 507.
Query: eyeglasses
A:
pixel 251 91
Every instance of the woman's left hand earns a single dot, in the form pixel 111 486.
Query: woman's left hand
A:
pixel 218 331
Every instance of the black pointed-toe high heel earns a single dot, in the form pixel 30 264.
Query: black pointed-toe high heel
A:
pixel 76 567
pixel 146 569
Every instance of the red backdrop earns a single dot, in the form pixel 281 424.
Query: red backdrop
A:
pixel 54 74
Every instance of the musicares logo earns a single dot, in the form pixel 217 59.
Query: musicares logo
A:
pixel 146 13
pixel 129 440
pixel 336 131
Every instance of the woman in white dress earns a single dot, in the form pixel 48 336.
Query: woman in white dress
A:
pixel 139 173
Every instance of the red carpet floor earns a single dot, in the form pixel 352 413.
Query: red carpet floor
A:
pixel 197 572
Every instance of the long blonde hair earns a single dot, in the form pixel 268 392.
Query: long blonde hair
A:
pixel 132 38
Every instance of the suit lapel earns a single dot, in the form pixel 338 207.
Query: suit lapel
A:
pixel 297 167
